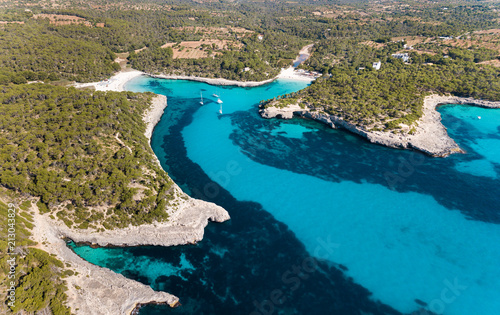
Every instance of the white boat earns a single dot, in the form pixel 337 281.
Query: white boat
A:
pixel 220 110
pixel 215 95
pixel 219 101
pixel 201 95
pixel 478 117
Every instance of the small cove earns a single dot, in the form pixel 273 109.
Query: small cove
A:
pixel 392 226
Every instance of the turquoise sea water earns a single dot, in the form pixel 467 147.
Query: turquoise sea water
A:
pixel 322 221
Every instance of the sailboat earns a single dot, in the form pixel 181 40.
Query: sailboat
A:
pixel 201 95
pixel 215 94
pixel 220 110
pixel 219 101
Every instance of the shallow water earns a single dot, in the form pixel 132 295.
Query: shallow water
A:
pixel 322 221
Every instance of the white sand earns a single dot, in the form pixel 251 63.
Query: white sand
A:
pixel 288 74
pixel 115 83
pixel 292 74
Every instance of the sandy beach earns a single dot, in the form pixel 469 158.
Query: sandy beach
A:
pixel 115 83
pixel 297 75
pixel 118 81
pixel 430 137
pixel 289 73
pixel 212 81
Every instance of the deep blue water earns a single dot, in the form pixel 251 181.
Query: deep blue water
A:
pixel 322 222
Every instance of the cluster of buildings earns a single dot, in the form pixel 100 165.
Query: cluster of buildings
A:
pixel 377 64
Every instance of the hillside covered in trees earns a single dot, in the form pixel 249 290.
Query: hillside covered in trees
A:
pixel 83 153
pixel 49 49
pixel 393 95
pixel 257 59
pixel 448 56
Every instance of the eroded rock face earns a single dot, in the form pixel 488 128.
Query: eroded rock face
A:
pixel 186 225
pixel 430 137
pixel 93 289
pixel 283 113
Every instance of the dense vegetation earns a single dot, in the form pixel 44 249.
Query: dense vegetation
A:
pixel 33 51
pixel 83 153
pixel 393 95
pixel 38 275
pixel 83 150
pixel 38 50
pixel 258 59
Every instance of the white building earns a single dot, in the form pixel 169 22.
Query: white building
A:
pixel 377 65
pixel 404 57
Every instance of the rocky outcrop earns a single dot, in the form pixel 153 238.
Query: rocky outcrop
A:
pixel 441 100
pixel 92 289
pixel 430 135
pixel 185 225
pixel 153 115
pixel 212 81
pixel 283 113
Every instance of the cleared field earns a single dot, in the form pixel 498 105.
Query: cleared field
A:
pixel 494 63
pixel 484 40
pixel 198 49
pixel 10 22
pixel 490 31
pixel 373 44
pixel 189 50
pixel 412 40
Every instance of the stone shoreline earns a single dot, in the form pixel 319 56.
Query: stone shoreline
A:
pixel 93 289
pixel 97 290
pixel 212 81
pixel 430 137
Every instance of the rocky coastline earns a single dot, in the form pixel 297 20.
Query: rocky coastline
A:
pixel 96 290
pixel 430 137
pixel 93 289
pixel 186 225
pixel 212 81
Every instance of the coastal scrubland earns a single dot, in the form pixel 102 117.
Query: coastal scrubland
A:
pixel 38 280
pixel 392 97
